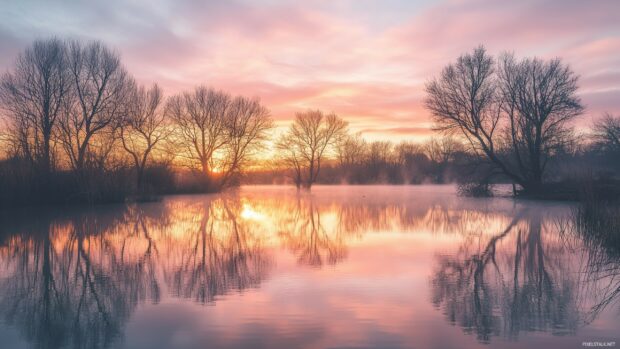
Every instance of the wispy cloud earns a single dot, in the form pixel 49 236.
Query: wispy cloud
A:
pixel 365 60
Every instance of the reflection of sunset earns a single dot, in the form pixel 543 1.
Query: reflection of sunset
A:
pixel 250 214
pixel 404 264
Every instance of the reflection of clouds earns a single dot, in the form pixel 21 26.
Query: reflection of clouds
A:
pixel 383 91
pixel 499 269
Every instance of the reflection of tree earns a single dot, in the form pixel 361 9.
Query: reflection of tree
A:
pixel 219 254
pixel 594 234
pixel 498 288
pixel 307 237
pixel 74 282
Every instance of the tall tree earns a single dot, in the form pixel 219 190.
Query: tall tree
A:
pixel 247 123
pixel 101 87
pixel 516 116
pixel 143 128
pixel 199 118
pixel 219 133
pixel 33 94
pixel 538 99
pixel 309 138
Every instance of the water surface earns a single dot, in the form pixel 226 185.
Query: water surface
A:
pixel 341 267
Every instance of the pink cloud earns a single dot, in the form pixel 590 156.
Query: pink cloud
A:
pixel 339 57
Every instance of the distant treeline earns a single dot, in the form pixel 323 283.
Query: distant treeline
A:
pixel 76 127
pixel 443 160
pixel 502 120
pixel 357 161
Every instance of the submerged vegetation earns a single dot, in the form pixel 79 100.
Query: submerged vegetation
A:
pixel 77 127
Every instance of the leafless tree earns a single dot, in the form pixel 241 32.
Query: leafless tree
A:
pixel 442 150
pixel 143 128
pixel 219 133
pixel 308 140
pixel 33 95
pixel 379 154
pixel 412 160
pixel 247 123
pixel 607 133
pixel 351 150
pixel 539 100
pixel 516 116
pixel 101 87
pixel 199 119
pixel 291 157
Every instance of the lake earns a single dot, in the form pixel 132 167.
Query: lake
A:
pixel 340 267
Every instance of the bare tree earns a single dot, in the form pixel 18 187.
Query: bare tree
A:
pixel 607 133
pixel 219 133
pixel 351 150
pixel 143 128
pixel 442 150
pixel 379 153
pixel 291 157
pixel 538 99
pixel 101 86
pixel 412 161
pixel 33 95
pixel 247 123
pixel 308 139
pixel 517 117
pixel 199 118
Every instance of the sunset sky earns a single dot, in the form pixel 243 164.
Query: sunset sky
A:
pixel 365 60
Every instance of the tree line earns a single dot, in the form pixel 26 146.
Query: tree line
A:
pixel 76 126
pixel 351 159
pixel 502 119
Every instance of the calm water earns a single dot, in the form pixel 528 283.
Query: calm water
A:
pixel 342 267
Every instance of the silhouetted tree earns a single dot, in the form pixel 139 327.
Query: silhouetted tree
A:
pixel 143 128
pixel 199 119
pixel 34 94
pixel 100 89
pixel 515 115
pixel 378 159
pixel 218 133
pixel 351 150
pixel 441 152
pixel 607 133
pixel 247 124
pixel 308 140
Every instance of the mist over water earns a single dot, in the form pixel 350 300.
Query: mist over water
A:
pixel 340 266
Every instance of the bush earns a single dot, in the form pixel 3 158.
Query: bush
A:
pixel 474 189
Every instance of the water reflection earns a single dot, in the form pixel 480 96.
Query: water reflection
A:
pixel 304 232
pixel 217 252
pixel 74 278
pixel 69 282
pixel 525 277
pixel 511 281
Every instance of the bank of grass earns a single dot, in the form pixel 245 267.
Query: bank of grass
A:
pixel 21 185
pixel 580 189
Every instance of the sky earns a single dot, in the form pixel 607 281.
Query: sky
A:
pixel 365 60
